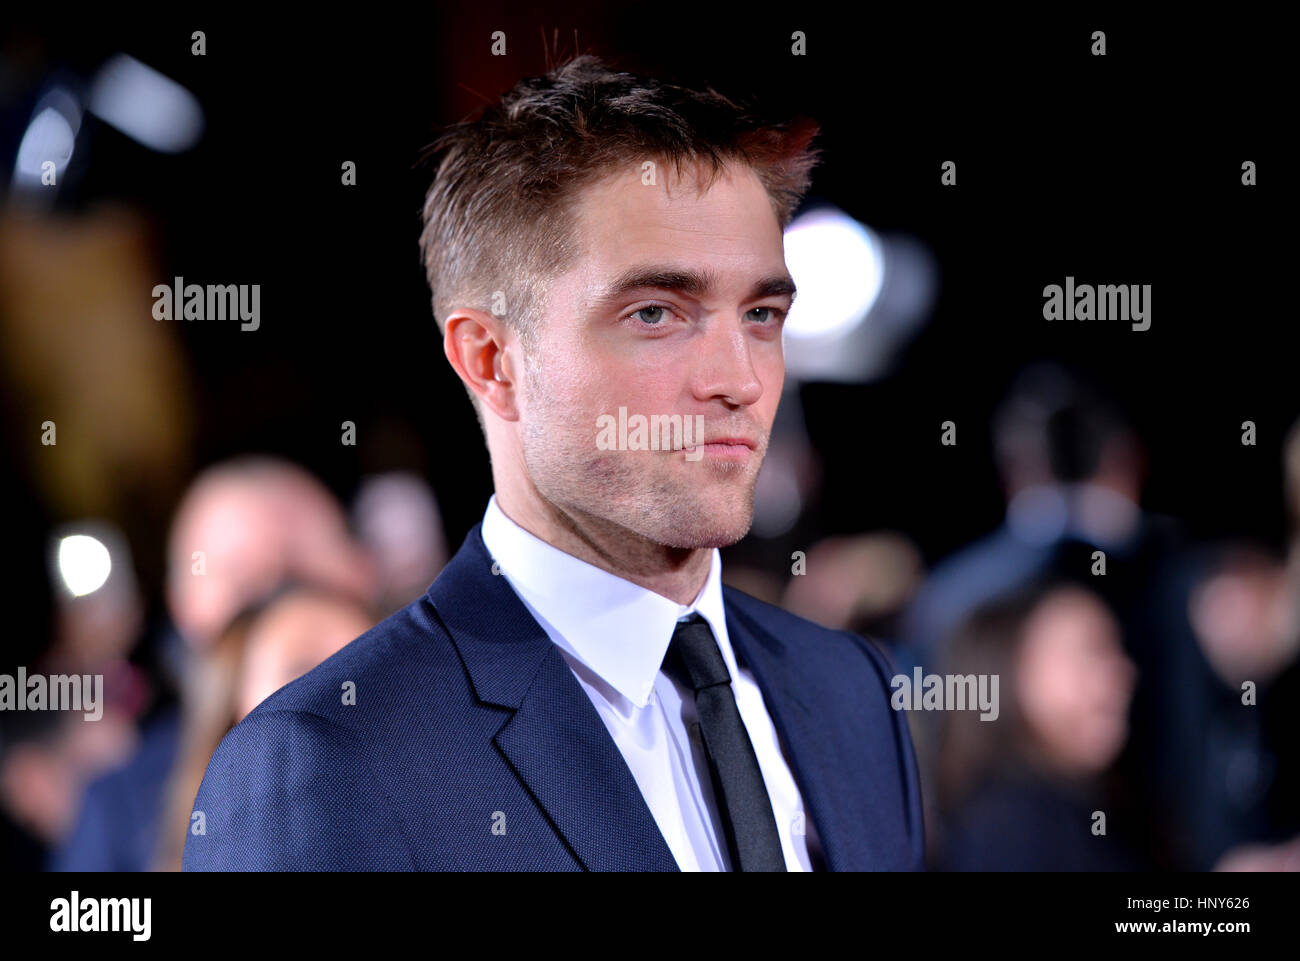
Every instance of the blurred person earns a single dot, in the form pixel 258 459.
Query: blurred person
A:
pixel 298 630
pixel 1227 774
pixel 48 756
pixel 1021 792
pixel 1071 470
pixel 37 786
pixel 46 759
pixel 1262 857
pixel 243 527
pixel 22 845
pixel 264 648
pixel 397 520
pixel 1244 616
pixel 534 709
pixel 860 584
pixel 1236 709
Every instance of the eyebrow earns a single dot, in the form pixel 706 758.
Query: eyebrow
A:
pixel 693 283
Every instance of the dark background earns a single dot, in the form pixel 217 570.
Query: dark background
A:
pixel 1117 169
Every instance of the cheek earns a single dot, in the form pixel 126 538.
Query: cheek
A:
pixel 770 365
pixel 769 368
pixel 575 373
pixel 642 387
pixel 1072 689
pixel 1048 691
pixel 550 398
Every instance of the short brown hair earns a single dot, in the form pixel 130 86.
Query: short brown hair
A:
pixel 498 214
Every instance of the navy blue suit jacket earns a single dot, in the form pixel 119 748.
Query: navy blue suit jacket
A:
pixel 472 746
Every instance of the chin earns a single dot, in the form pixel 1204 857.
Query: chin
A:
pixel 701 530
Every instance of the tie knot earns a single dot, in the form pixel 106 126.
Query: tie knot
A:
pixel 694 657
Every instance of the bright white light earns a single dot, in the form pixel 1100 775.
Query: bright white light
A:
pixel 838 266
pixel 49 138
pixel 83 563
pixel 146 105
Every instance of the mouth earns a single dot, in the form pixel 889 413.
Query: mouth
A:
pixel 724 448
pixel 731 442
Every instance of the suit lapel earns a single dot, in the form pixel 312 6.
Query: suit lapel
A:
pixel 830 783
pixel 555 740
pixel 562 750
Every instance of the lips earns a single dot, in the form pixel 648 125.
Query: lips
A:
pixel 733 442
pixel 733 449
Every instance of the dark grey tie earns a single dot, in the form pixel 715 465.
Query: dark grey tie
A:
pixel 746 810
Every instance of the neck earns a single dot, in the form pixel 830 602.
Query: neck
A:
pixel 677 573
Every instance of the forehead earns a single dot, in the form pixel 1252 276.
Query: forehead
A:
pixel 1068 614
pixel 730 227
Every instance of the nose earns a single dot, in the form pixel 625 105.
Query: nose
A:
pixel 726 369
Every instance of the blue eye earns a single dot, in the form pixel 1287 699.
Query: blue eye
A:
pixel 776 313
pixel 654 307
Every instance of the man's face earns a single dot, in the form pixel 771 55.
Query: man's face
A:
pixel 664 347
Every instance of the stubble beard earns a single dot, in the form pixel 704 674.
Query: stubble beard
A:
pixel 657 496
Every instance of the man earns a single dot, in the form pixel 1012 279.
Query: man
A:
pixel 577 690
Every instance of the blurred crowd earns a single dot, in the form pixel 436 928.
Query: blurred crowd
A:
pixel 1146 681
pixel 267 576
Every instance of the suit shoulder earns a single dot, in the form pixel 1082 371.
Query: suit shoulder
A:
pixel 374 673
pixel 822 646
pixel 292 790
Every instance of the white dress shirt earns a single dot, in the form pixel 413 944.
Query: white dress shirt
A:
pixel 614 635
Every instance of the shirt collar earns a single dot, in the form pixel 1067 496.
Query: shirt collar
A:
pixel 618 629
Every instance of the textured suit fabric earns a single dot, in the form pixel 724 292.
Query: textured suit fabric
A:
pixel 471 746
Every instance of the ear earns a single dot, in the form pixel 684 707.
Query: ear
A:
pixel 481 349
